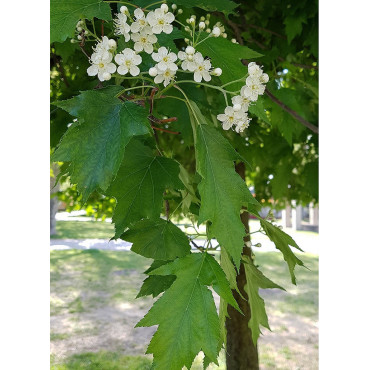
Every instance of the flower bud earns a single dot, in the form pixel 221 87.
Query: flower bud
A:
pixel 164 7
pixel 107 76
pixel 237 107
pixel 216 32
pixel 123 9
pixel 73 41
pixel 207 22
pixel 233 41
pixel 179 11
pixel 86 32
pixel 174 6
pixel 217 71
pixel 187 29
pixel 153 71
pixel 191 20
pixel 208 15
pixel 208 30
pixel 190 57
pixel 189 50
pixel 224 35
pixel 79 29
pixel 248 244
pixel 202 25
pixel 187 40
pixel 202 18
pixel 265 78
pixel 79 37
pixel 258 245
pixel 112 44
pixel 187 20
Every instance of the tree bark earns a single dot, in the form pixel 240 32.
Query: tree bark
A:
pixel 241 353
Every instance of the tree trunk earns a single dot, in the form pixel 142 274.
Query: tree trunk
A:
pixel 241 353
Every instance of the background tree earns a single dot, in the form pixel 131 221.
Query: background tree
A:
pixel 280 145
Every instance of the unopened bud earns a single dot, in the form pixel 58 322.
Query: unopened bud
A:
pixel 248 244
pixel 189 50
pixel 187 40
pixel 164 7
pixel 179 11
pixel 207 22
pixel 258 245
pixel 112 44
pixel 233 41
pixel 202 25
pixel 79 29
pixel 87 32
pixel 224 35
pixel 123 9
pixel 202 18
pixel 174 6
pixel 79 37
pixel 217 71
pixel 208 30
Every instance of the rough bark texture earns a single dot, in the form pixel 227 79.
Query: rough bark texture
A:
pixel 241 353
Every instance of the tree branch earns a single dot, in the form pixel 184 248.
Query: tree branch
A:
pixel 293 113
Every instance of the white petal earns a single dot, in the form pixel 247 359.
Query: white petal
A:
pixel 138 46
pixel 137 59
pixel 206 76
pixel 173 67
pixel 167 28
pixel 148 48
pixel 111 67
pixel 172 57
pixel 158 79
pixel 135 37
pixel 138 13
pixel 93 70
pixel 162 66
pixel 135 27
pixel 156 57
pixel 134 71
pixel 197 76
pixel 119 59
pixel 100 76
pixel 169 17
pixel 182 55
pixel 122 70
pixel 157 29
pixel 221 117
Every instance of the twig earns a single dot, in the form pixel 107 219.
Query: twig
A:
pixel 168 131
pixel 293 113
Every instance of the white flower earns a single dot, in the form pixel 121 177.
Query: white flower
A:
pixel 160 21
pixel 254 70
pixel 253 88
pixel 242 100
pixel 121 26
pixel 101 65
pixel 216 31
pixel 104 48
pixel 202 68
pixel 128 61
pixel 242 123
pixel 144 41
pixel 165 59
pixel 189 50
pixel 141 23
pixel 188 61
pixel 164 76
pixel 264 78
pixel 230 117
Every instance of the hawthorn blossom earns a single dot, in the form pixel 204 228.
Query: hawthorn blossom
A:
pixel 230 117
pixel 101 65
pixel 241 100
pixel 201 68
pixel 254 70
pixel 141 23
pixel 160 21
pixel 165 59
pixel 242 123
pixel 164 76
pixel 128 62
pixel 121 26
pixel 144 41
pixel 253 88
pixel 188 61
pixel 105 47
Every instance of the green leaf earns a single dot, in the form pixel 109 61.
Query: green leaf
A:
pixel 223 192
pixel 155 284
pixel 64 15
pixel 158 239
pixel 166 40
pixel 293 26
pixel 282 242
pixel 225 6
pixel 95 145
pixel 139 185
pixel 227 56
pixel 186 312
pixel 256 280
pixel 257 108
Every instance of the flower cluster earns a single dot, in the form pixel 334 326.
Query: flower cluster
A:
pixel 236 117
pixel 143 31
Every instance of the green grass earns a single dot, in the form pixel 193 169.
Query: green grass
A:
pixel 83 230
pixel 102 360
pixel 85 280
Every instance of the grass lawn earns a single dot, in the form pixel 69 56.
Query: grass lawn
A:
pixel 84 230
pixel 94 310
